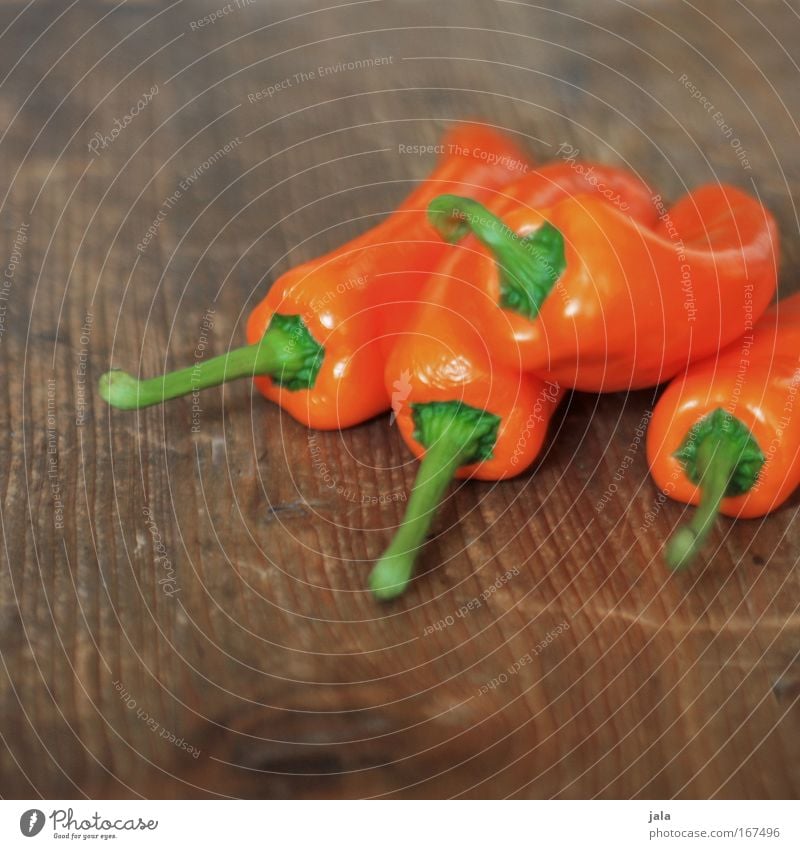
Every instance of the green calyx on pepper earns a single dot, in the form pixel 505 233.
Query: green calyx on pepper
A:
pixel 454 435
pixel 529 267
pixel 287 353
pixel 721 456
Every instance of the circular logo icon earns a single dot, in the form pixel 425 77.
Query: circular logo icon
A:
pixel 31 822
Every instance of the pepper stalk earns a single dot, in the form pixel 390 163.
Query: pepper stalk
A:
pixel 722 457
pixel 528 266
pixel 287 352
pixel 454 435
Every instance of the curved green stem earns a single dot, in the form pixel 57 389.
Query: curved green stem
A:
pixel 718 461
pixel 392 573
pixel 454 435
pixel 528 267
pixel 721 456
pixel 287 352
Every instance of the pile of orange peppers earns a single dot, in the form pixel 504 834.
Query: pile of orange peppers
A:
pixel 496 288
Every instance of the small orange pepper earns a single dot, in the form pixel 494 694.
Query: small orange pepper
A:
pixel 316 341
pixel 603 302
pixel 725 435
pixel 462 414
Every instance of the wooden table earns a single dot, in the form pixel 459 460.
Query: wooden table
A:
pixel 183 613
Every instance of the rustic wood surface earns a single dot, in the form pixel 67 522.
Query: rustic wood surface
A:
pixel 183 614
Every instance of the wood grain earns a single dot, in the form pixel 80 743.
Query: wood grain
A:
pixel 208 587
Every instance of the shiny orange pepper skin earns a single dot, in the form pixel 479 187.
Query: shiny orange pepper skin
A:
pixel 556 181
pixel 635 304
pixel 352 297
pixel 756 380
pixel 442 357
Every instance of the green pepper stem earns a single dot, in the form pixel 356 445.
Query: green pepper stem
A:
pixel 716 460
pixel 392 573
pixel 723 458
pixel 454 435
pixel 287 353
pixel 528 267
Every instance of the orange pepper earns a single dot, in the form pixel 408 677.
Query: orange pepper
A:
pixel 462 414
pixel 725 435
pixel 603 302
pixel 316 340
